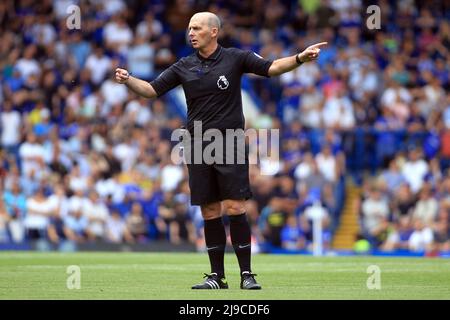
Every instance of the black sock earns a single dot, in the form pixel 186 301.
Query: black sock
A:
pixel 216 240
pixel 241 239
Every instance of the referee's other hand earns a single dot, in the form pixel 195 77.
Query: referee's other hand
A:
pixel 122 75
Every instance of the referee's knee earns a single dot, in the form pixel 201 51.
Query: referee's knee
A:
pixel 211 211
pixel 234 207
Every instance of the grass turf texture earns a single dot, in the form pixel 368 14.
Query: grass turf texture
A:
pixel 167 276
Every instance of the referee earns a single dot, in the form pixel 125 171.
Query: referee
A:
pixel 211 79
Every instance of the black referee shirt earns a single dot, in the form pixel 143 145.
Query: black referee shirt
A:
pixel 212 85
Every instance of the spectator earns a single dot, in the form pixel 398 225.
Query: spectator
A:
pixel 441 231
pixel 398 237
pixel 11 123
pixel 75 225
pixel 27 64
pixel 291 235
pixel 59 210
pixel 392 176
pixel 4 238
pixel 327 163
pixel 139 111
pixel 311 106
pixel 415 169
pixel 375 215
pixel 117 34
pixel 116 229
pixel 422 237
pixel 64 124
pixel 272 220
pixel 140 58
pixel 338 112
pixel 136 223
pixel 37 217
pixel 97 215
pixel 32 154
pixel 15 205
pixel 98 65
pixel 149 27
pixel 426 208
pixel 403 202
pixel 181 227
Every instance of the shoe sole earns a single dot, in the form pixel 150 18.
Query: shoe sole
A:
pixel 208 289
pixel 252 288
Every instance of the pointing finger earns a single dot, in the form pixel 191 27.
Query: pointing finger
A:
pixel 317 45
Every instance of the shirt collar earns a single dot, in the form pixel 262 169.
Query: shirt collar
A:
pixel 213 56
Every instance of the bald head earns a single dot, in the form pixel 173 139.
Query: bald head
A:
pixel 203 32
pixel 208 18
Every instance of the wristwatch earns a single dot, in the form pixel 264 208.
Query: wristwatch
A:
pixel 297 59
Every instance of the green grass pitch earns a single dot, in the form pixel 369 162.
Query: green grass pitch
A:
pixel 167 276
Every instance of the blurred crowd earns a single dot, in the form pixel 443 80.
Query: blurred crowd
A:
pixel 83 159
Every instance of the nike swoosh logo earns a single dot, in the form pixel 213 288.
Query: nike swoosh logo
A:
pixel 242 247
pixel 211 248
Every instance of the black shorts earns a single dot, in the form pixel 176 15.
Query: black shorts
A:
pixel 220 180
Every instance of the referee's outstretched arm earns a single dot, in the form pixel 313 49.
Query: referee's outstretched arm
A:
pixel 287 64
pixel 140 87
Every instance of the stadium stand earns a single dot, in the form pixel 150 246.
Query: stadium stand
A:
pixel 365 131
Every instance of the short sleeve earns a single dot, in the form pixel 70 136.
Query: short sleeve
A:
pixel 254 63
pixel 166 81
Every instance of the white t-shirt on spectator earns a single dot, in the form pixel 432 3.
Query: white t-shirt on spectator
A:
pixel 389 96
pixel 373 211
pixel 140 60
pixel 28 150
pixel 338 111
pixel 171 176
pixel 75 203
pixel 27 67
pixel 414 172
pixel 78 183
pixel 113 33
pixel 111 7
pixel 115 229
pixel 96 210
pixel 145 30
pixel 59 204
pixel 98 67
pixel 327 166
pixel 270 166
pixel 140 114
pixel 306 75
pixel 302 171
pixel 110 187
pixel 37 216
pixel 426 210
pixel 419 240
pixel 44 34
pixel 310 105
pixel 126 154
pixel 10 128
pixel 60 7
pixel 114 92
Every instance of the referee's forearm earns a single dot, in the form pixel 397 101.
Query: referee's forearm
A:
pixel 141 87
pixel 283 65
